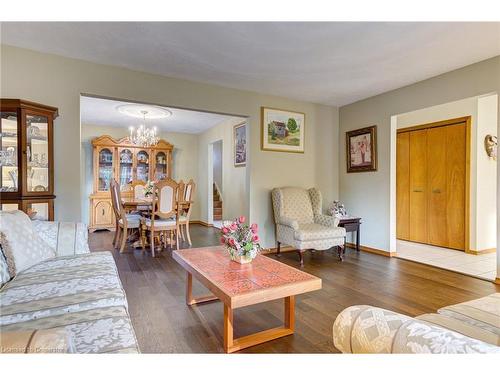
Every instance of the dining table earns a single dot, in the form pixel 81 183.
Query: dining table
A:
pixel 142 205
pixel 137 204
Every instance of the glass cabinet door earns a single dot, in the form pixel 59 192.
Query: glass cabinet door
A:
pixel 126 167
pixel 37 210
pixel 160 165
pixel 105 174
pixel 142 169
pixel 37 153
pixel 9 206
pixel 8 152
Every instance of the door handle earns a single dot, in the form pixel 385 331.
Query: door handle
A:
pixel 103 212
pixel 437 191
pixel 418 191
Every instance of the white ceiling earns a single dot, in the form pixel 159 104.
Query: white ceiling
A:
pixel 103 112
pixel 332 63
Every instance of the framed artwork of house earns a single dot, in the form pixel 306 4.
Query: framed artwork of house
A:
pixel 282 130
pixel 361 150
pixel 240 145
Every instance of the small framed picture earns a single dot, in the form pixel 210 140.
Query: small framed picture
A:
pixel 282 130
pixel 240 145
pixel 361 150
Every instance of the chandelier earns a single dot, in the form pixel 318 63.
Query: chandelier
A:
pixel 143 136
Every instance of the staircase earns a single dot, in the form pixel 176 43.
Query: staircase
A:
pixel 217 204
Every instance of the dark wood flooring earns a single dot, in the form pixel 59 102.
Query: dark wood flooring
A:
pixel 163 323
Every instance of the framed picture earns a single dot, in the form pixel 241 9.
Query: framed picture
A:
pixel 361 150
pixel 240 145
pixel 282 130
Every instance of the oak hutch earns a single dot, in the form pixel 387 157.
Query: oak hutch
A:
pixel 125 162
pixel 27 157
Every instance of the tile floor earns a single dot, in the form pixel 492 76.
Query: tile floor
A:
pixel 482 266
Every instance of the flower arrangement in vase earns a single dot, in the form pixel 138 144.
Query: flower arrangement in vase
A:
pixel 241 240
pixel 148 189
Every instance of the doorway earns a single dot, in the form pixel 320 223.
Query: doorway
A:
pixel 217 185
pixel 479 233
pixel 432 179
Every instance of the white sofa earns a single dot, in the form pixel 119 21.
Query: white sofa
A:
pixel 469 327
pixel 77 291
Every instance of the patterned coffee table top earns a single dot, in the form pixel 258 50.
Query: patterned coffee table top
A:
pixel 233 279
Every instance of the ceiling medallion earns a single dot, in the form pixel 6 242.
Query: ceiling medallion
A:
pixel 136 110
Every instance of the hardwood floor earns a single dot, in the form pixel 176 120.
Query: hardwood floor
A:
pixel 163 323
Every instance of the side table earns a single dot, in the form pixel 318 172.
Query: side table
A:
pixel 351 224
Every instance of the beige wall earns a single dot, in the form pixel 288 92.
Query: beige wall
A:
pixel 234 189
pixel 486 184
pixel 185 159
pixel 368 194
pixel 59 81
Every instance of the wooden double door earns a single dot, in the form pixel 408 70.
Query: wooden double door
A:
pixel 432 190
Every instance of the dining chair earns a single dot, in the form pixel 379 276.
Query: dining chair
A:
pixel 123 221
pixel 185 207
pixel 182 186
pixel 165 214
pixel 137 188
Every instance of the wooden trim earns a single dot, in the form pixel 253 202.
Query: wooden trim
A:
pixel 497 280
pixel 26 104
pixel 108 141
pixel 481 252
pixel 205 224
pixel 453 121
pixel 283 249
pixel 372 250
pixel 467 182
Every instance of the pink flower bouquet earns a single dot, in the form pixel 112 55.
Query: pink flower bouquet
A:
pixel 241 240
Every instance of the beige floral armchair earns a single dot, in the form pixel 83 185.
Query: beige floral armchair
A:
pixel 300 222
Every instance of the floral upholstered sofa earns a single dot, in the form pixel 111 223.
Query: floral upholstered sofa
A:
pixel 52 284
pixel 469 327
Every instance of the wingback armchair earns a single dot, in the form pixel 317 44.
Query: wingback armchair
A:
pixel 301 224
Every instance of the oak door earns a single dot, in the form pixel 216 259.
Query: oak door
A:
pixel 437 186
pixel 103 213
pixel 418 186
pixel 431 179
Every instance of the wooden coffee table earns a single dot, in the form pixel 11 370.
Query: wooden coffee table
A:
pixel 238 285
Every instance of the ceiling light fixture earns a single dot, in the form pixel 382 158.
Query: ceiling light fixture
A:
pixel 143 136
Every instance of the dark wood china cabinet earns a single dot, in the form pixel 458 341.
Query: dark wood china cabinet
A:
pixel 27 157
